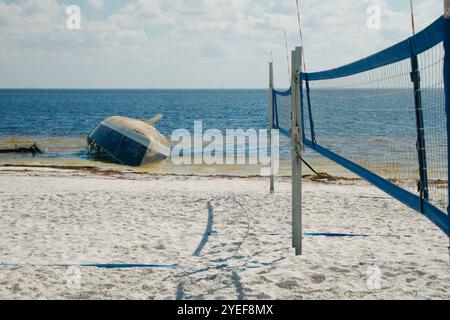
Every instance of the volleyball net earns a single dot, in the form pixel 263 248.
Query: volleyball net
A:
pixel 385 118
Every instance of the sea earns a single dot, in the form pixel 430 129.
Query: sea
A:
pixel 59 121
pixel 375 128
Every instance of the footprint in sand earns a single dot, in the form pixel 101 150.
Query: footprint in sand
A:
pixel 339 270
pixel 287 284
pixel 318 278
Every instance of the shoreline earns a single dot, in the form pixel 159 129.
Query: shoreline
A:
pixel 105 170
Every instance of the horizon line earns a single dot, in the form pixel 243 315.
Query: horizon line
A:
pixel 80 88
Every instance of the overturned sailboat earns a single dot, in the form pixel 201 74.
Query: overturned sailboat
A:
pixel 131 142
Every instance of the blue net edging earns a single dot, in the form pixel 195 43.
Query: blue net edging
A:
pixel 386 119
pixel 286 93
pixel 281 111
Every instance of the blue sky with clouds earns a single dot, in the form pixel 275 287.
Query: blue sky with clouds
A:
pixel 188 43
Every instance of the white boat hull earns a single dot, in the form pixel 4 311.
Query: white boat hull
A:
pixel 129 141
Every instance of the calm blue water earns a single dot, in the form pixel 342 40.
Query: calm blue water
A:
pixel 373 127
pixel 60 120
pixel 74 113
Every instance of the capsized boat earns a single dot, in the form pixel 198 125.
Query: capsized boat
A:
pixel 131 142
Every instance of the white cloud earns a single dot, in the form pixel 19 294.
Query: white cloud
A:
pixel 186 43
pixel 96 4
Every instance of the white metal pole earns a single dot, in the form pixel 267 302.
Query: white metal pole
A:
pixel 447 16
pixel 272 154
pixel 298 150
pixel 293 156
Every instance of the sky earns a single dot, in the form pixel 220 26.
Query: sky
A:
pixel 189 43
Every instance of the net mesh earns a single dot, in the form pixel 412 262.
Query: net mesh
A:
pixel 431 64
pixel 370 119
pixel 282 112
pixel 282 121
pixel 384 118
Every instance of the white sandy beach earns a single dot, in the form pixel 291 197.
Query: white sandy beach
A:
pixel 56 217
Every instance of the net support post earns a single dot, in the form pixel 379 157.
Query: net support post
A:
pixel 420 128
pixel 294 167
pixel 271 127
pixel 296 133
pixel 447 94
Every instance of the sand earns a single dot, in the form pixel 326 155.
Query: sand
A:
pixel 211 237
